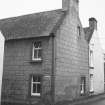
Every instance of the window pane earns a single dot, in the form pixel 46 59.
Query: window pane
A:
pixel 35 53
pixel 37 44
pixel 34 88
pixel 81 87
pixel 39 53
pixel 83 79
pixel 78 30
pixel 38 88
pixel 91 58
pixel 34 78
pixel 38 79
pixel 91 82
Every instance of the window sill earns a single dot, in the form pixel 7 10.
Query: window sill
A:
pixel 91 67
pixel 82 94
pixel 36 61
pixel 91 91
pixel 35 95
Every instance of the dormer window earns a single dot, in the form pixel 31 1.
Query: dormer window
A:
pixel 37 51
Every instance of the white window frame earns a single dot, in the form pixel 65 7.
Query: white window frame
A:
pixel 37 49
pixel 32 82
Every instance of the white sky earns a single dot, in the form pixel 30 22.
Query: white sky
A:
pixel 88 8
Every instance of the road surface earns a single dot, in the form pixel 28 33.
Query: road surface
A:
pixel 98 102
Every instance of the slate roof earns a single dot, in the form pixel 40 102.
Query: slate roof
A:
pixel 88 33
pixel 32 25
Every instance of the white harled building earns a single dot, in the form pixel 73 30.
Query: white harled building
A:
pixel 96 67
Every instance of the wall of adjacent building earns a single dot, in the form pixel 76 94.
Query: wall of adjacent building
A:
pixel 18 67
pixel 98 64
pixel 71 58
pixel 2 41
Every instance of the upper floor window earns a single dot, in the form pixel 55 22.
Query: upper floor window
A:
pixel 36 86
pixel 78 31
pixel 91 46
pixel 91 59
pixel 37 51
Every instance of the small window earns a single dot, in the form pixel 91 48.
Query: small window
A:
pixel 37 51
pixel 83 85
pixel 91 83
pixel 36 86
pixel 91 59
pixel 79 31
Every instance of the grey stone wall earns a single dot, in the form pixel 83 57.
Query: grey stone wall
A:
pixel 71 58
pixel 18 67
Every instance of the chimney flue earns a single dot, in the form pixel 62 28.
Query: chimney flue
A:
pixel 65 5
pixel 93 23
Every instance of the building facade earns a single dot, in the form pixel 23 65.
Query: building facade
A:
pixel 45 57
pixel 95 60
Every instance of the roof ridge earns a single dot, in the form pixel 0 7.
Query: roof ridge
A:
pixel 15 17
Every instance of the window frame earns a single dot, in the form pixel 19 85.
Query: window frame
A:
pixel 83 86
pixel 37 49
pixel 91 83
pixel 91 59
pixel 32 93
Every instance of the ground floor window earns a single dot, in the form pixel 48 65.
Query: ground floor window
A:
pixel 91 83
pixel 83 85
pixel 36 85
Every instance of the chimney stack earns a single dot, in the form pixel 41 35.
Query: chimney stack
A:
pixel 93 23
pixel 67 4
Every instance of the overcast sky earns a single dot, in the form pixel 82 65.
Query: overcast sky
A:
pixel 88 8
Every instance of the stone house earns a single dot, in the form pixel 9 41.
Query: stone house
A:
pixel 96 59
pixel 45 57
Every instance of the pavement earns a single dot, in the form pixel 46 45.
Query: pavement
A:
pixel 97 102
pixel 92 100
